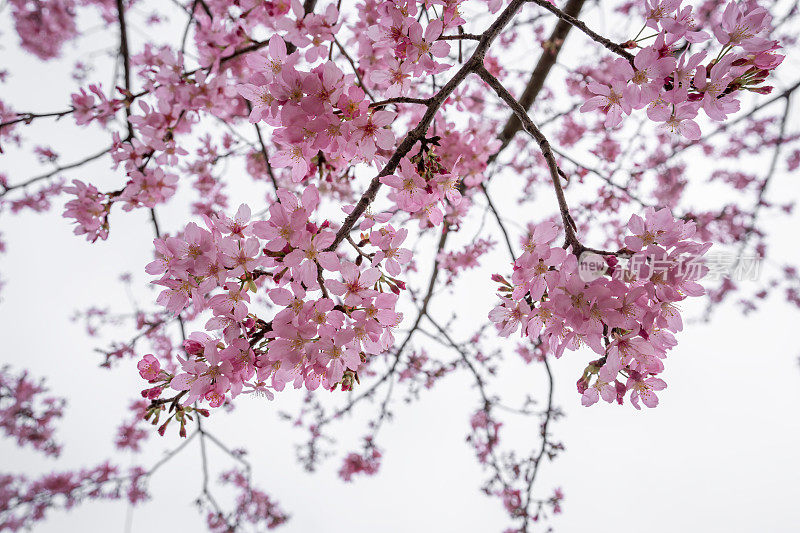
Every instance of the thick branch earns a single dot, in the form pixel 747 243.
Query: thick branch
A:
pixel 474 63
pixel 126 64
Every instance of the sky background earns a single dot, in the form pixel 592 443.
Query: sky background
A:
pixel 720 453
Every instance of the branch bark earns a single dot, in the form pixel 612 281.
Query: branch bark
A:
pixel 474 63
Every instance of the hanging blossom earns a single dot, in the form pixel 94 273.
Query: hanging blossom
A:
pixel 626 312
pixel 675 87
pixel 27 413
pixel 329 315
pixel 423 186
pixel 315 112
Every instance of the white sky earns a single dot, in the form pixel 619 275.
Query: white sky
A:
pixel 718 454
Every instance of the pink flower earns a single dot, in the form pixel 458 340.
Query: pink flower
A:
pixel 610 99
pixel 263 103
pixel 355 284
pixel 397 77
pixel 604 386
pixel 684 71
pixel 372 133
pixel 741 24
pixel 509 315
pixel 681 25
pixel 390 253
pixel 149 368
pixel 648 78
pixel 645 389
pixel 427 44
pixel 658 10
pixel 88 210
pixel 238 225
pixel 338 354
pixel 295 156
pixel 276 61
pixel 626 349
pixel 658 227
pixel 309 253
pixel 232 302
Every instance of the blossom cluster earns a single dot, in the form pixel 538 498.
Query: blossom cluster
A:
pixel 27 414
pixel 675 85
pixel 89 209
pixel 151 150
pixel 330 314
pixel 628 316
pixel 456 262
pixel 366 463
pixel 315 112
pixel 253 506
pixel 320 110
pixel 43 27
pixel 25 501
pixel 402 48
pixel 94 105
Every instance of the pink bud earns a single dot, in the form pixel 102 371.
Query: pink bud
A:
pixel 583 384
pixel 192 347
pixel 767 89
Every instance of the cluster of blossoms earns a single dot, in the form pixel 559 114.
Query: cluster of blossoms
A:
pixel 25 501
pixel 27 414
pixel 423 186
pixel 627 314
pixel 325 118
pixel 402 49
pixel 316 112
pixel 44 26
pixel 89 209
pixel 150 151
pixel 94 105
pixel 675 85
pixel 253 506
pixel 367 463
pixel 513 502
pixel 323 329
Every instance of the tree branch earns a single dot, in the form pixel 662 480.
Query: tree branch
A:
pixel 547 152
pixel 550 52
pixel 474 63
pixel 614 47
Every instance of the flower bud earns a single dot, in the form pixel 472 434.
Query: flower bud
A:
pixel 192 347
pixel 583 384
